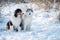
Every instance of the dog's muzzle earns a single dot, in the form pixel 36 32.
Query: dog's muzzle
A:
pixel 29 13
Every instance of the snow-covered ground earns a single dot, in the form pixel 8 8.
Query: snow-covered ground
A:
pixel 44 27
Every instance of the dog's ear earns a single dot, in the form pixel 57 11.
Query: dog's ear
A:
pixel 29 10
pixel 15 14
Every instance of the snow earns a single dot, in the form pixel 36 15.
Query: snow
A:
pixel 44 26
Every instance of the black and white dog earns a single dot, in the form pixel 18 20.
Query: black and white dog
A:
pixel 15 21
pixel 20 21
pixel 27 19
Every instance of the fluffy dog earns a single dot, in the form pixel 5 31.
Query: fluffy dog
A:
pixel 27 18
pixel 15 21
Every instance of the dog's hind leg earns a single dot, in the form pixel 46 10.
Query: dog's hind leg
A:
pixel 9 24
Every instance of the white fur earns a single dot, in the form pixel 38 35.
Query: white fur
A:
pixel 16 22
pixel 27 20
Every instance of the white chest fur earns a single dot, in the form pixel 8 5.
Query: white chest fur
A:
pixel 16 21
pixel 27 19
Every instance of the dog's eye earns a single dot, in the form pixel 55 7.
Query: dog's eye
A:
pixel 29 13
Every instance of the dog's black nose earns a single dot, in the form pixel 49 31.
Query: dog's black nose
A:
pixel 29 13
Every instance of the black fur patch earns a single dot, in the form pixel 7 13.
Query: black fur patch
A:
pixel 22 25
pixel 29 10
pixel 9 24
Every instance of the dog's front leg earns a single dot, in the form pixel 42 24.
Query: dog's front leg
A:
pixel 28 27
pixel 19 28
pixel 24 27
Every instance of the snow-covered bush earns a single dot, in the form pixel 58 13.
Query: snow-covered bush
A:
pixel 58 16
pixel 55 15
